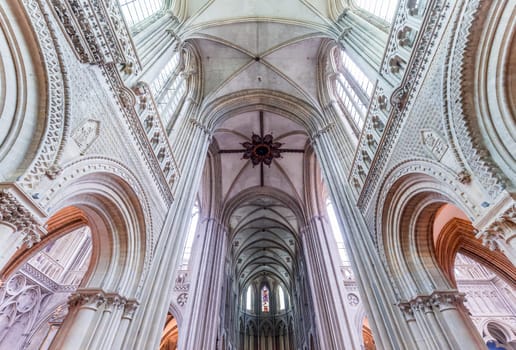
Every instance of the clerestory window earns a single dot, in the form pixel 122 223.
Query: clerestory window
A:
pixel 136 11
pixel 187 252
pixel 384 9
pixel 353 91
pixel 281 298
pixel 249 298
pixel 337 234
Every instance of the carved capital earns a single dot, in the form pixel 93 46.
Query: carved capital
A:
pixel 499 231
pixel 129 309
pixel 15 214
pixel 444 300
pixel 87 298
pixel 407 311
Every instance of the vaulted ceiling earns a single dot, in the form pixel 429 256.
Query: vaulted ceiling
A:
pixel 271 46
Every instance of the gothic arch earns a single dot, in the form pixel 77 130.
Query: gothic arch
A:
pixel 457 235
pixel 285 105
pixel 480 116
pixel 107 196
pixel 31 74
pixel 412 193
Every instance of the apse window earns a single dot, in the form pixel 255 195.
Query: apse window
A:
pixel 135 11
pixel 384 9
pixel 265 299
pixel 281 297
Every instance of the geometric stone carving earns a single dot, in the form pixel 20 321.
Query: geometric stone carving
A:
pixel 86 134
pixel 353 299
pixel 182 299
pixel 434 143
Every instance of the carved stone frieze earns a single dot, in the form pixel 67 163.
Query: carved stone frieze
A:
pixel 97 32
pixel 437 301
pixel 140 112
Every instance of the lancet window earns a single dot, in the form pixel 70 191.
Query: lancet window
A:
pixel 265 299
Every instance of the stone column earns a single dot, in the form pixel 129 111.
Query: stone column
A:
pixel 127 308
pixel 81 322
pixel 332 322
pixel 390 329
pixel 453 318
pixel 202 316
pixel 192 144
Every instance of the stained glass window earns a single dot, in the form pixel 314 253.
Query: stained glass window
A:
pixel 265 299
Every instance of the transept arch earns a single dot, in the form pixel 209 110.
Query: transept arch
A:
pixel 30 144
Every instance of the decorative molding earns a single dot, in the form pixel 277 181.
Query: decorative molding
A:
pixel 97 32
pixel 24 222
pixel 402 98
pixel 56 129
pixel 140 112
pixel 434 143
pixel 456 119
pixel 86 134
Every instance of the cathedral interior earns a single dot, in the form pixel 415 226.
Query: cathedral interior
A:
pixel 258 174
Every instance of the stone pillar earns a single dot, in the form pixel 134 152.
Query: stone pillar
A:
pixel 440 321
pixel 202 318
pixel 453 318
pixel 390 329
pixel 127 309
pixel 324 274
pixel 78 329
pixel 192 144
